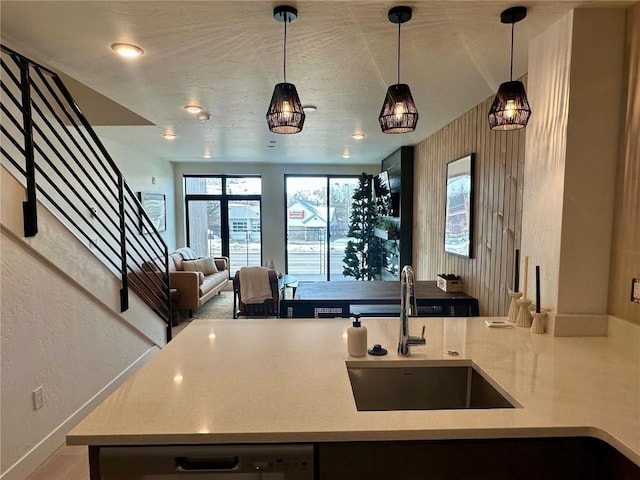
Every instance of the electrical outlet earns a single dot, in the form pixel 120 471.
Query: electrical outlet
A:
pixel 635 290
pixel 38 398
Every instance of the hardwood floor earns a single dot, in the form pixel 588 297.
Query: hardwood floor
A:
pixel 66 463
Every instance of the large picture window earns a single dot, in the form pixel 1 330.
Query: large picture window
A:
pixel 223 215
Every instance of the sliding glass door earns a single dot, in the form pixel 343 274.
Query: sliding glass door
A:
pixel 317 222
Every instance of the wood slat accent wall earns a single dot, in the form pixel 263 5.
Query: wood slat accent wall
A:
pixel 498 185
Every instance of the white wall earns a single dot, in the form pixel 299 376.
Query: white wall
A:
pixel 61 324
pixel 60 319
pixel 595 112
pixel 575 83
pixel 548 91
pixel 141 170
pixel 62 330
pixel 273 202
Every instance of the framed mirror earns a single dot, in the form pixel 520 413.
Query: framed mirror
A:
pixel 458 217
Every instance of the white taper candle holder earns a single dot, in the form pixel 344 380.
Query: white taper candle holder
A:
pixel 524 316
pixel 537 325
pixel 513 306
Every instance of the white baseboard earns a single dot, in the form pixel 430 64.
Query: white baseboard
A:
pixel 47 446
pixel 564 325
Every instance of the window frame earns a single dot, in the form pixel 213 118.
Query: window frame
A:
pixel 224 198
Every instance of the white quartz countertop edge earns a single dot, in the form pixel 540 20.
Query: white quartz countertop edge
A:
pixel 285 380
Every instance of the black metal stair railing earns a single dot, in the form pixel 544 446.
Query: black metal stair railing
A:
pixel 48 143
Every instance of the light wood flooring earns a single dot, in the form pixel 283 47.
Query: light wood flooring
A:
pixel 66 463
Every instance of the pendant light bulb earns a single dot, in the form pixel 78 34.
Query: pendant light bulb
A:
pixel 510 109
pixel 286 109
pixel 285 113
pixel 399 113
pixel 399 109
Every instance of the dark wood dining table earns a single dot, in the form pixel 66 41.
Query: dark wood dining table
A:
pixel 375 298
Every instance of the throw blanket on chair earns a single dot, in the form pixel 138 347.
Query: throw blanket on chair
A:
pixel 254 285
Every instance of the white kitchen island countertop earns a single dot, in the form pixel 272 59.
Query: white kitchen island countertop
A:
pixel 285 380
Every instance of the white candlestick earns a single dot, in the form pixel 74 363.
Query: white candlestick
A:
pixel 525 272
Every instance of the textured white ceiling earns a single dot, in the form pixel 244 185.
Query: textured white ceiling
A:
pixel 227 56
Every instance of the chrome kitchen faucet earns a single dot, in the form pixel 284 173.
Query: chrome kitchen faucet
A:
pixel 408 308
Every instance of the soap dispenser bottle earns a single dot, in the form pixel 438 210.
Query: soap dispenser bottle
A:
pixel 357 339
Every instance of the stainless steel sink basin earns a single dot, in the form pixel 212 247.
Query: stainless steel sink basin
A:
pixel 419 386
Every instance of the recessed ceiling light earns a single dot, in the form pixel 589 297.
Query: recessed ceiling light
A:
pixel 169 135
pixel 193 108
pixel 358 135
pixel 206 155
pixel 346 154
pixel 127 50
pixel 309 108
pixel 272 146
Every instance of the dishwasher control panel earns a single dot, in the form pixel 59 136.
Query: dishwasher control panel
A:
pixel 207 462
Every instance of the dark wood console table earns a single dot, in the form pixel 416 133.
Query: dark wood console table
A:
pixel 376 298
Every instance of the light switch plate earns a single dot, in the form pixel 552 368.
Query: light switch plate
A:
pixel 38 398
pixel 635 290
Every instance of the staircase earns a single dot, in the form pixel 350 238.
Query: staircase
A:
pixel 47 144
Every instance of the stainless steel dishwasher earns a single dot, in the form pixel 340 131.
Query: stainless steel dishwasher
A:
pixel 206 462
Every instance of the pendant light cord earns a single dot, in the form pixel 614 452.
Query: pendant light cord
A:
pixel 511 62
pixel 399 23
pixel 284 62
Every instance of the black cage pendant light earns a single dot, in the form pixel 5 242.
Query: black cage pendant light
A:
pixel 399 113
pixel 510 109
pixel 285 114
